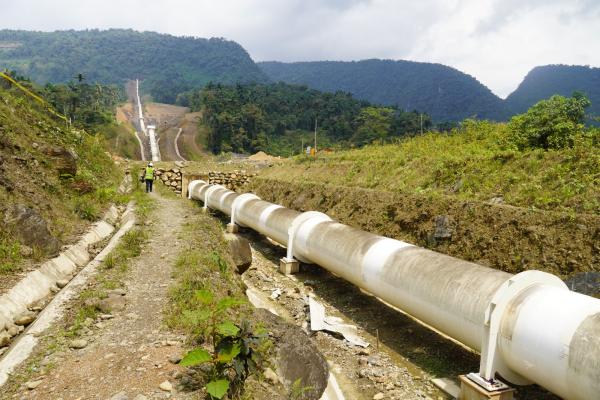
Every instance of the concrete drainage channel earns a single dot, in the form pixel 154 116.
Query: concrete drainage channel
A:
pixel 60 272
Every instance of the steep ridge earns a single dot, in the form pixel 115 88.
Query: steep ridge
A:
pixel 168 64
pixel 443 92
pixel 545 81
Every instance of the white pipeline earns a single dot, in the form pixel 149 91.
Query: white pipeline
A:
pixel 154 151
pixel 529 327
pixel 150 131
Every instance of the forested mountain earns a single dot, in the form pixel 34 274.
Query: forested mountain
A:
pixel 276 117
pixel 545 81
pixel 167 64
pixel 443 92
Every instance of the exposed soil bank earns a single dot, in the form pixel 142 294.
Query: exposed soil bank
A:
pixel 508 238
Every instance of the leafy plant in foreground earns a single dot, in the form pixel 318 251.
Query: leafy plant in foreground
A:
pixel 235 353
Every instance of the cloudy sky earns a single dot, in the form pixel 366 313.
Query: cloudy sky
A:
pixel 496 41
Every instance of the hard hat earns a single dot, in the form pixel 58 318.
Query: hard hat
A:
pixel 150 164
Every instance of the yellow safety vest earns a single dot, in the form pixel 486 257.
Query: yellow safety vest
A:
pixel 149 173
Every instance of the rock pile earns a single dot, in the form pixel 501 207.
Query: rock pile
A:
pixel 171 178
pixel 231 180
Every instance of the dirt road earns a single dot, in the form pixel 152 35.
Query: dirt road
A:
pixel 169 119
pixel 126 354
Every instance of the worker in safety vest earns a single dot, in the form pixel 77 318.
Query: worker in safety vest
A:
pixel 149 176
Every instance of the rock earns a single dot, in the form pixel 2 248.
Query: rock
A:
pixel 140 397
pixel 271 376
pixel 120 396
pixel 65 161
pixel 62 283
pixel 378 396
pixel 33 384
pixel 4 339
pixel 297 356
pixel 30 228
pixel 443 227
pixel 13 330
pixel 166 386
pixel 112 303
pixel 78 344
pixel 496 200
pixel 25 251
pixel 119 292
pixel 174 359
pixel 25 319
pixel 240 251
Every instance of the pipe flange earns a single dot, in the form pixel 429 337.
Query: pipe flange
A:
pixel 238 203
pixel 313 217
pixel 491 362
pixel 192 185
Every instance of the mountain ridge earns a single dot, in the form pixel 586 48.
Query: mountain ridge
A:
pixel 442 91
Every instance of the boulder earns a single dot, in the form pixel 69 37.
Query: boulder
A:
pixel 65 161
pixel 240 251
pixel 4 339
pixel 114 302
pixel 25 319
pixel 31 228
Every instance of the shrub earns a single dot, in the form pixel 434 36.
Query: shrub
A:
pixel 554 123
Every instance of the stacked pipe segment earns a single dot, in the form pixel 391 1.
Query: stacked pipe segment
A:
pixel 548 334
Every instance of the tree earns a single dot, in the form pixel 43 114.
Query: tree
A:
pixel 550 124
pixel 372 124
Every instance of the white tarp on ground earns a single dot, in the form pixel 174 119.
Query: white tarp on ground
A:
pixel 320 322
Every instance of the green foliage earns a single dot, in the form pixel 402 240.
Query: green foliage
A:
pixel 372 124
pixel 550 124
pixel 87 106
pixel 168 64
pixel 443 92
pixel 249 118
pixel 235 352
pixel 217 389
pixel 10 253
pixel 472 162
pixel 546 81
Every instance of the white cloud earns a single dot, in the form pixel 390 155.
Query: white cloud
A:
pixel 497 41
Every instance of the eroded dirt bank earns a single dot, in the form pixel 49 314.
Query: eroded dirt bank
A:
pixel 504 237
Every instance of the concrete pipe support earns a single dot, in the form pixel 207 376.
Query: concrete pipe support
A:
pixel 528 327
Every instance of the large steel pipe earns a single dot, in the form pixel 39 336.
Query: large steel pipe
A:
pixel 529 327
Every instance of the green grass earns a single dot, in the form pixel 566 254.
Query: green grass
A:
pixel 10 254
pixel 66 202
pixel 203 264
pixel 473 163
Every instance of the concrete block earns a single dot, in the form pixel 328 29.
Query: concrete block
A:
pixel 448 386
pixel 78 254
pixel 289 266
pixel 469 390
pixel 233 228
pixel 64 266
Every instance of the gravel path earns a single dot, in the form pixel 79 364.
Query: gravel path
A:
pixel 127 356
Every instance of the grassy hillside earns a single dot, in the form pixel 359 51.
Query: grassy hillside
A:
pixel 54 179
pixel 441 91
pixel 545 81
pixel 474 162
pixel 167 64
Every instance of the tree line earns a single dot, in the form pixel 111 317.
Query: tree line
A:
pixel 253 117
